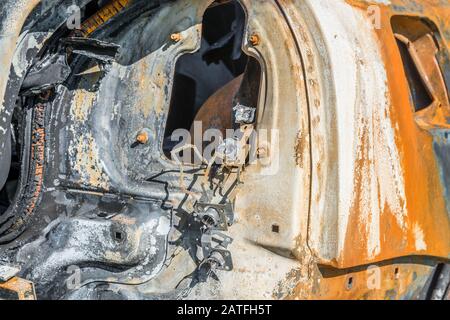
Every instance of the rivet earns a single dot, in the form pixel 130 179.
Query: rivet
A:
pixel 142 137
pixel 255 40
pixel 176 37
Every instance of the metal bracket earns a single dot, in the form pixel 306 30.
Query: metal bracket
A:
pixel 215 216
pixel 217 255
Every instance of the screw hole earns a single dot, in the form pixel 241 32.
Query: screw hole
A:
pixel 118 236
pixel 275 228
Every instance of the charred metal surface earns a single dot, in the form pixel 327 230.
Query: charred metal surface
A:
pixel 352 180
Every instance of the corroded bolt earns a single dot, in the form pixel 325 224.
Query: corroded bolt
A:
pixel 176 37
pixel 142 137
pixel 255 40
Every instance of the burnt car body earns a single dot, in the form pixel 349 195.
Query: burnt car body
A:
pixel 340 114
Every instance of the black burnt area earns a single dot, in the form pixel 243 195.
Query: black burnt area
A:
pixel 8 191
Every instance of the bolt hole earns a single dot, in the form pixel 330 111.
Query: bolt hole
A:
pixel 118 236
pixel 350 283
pixel 275 228
pixel 397 273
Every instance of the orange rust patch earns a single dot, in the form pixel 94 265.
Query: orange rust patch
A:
pixel 23 288
pixel 388 282
pixel 300 147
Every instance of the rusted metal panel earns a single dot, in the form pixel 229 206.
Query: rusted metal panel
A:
pixel 20 289
pixel 214 118
pixel 377 190
pixel 382 282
